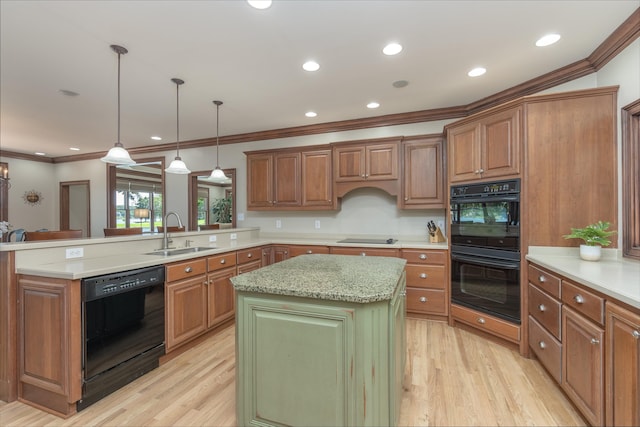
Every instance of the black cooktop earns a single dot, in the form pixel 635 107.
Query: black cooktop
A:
pixel 369 241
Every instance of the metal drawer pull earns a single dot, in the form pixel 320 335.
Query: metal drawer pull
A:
pixel 423 256
pixel 223 261
pixel 363 254
pixel 542 307
pixel 636 334
pixel 188 270
pixel 423 275
pixel 249 255
pixel 481 320
pixel 578 299
pixel 542 279
pixel 423 299
pixel 595 341
pixel 542 345
pixel 309 251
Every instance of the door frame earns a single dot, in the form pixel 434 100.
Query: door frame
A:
pixel 64 204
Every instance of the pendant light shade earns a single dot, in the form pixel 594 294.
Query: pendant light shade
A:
pixel 118 155
pixel 218 174
pixel 177 166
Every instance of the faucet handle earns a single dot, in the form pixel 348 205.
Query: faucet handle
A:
pixel 187 243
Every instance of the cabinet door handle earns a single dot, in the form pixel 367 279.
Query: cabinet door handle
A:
pixel 423 275
pixel 481 170
pixel 477 171
pixel 578 299
pixel 542 345
pixel 363 176
pixel 636 334
pixel 542 307
pixel 249 255
pixel 423 299
pixel 188 269
pixel 542 279
pixel 223 261
pixel 595 341
pixel 423 256
pixel 406 199
pixel 481 320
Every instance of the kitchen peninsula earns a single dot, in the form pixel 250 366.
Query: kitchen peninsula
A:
pixel 320 341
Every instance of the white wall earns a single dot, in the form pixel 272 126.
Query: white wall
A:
pixel 365 211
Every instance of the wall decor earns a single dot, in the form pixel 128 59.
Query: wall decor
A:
pixel 32 197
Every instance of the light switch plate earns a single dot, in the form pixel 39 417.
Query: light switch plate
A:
pixel 233 236
pixel 278 223
pixel 75 253
pixel 240 216
pixel 317 223
pixel 213 238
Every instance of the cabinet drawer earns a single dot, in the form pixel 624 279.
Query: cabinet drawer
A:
pixel 364 251
pixel 426 301
pixel 415 256
pixel 425 276
pixel 250 266
pixel 583 301
pixel 302 250
pixel 249 255
pixel 484 322
pixel 544 280
pixel 185 269
pixel 221 261
pixel 545 310
pixel 547 349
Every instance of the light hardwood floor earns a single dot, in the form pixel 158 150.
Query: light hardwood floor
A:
pixel 453 378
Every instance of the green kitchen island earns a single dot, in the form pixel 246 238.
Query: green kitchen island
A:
pixel 320 341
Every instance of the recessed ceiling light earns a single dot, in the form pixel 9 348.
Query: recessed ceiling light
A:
pixel 547 40
pixel 311 66
pixel 478 71
pixel 373 105
pixel 66 92
pixel 156 138
pixel 392 49
pixel 38 153
pixel 400 83
pixel 311 114
pixel 74 149
pixel 260 4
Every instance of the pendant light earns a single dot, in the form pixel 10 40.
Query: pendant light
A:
pixel 118 155
pixel 218 174
pixel 177 166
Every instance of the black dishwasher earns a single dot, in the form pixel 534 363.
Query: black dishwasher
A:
pixel 123 329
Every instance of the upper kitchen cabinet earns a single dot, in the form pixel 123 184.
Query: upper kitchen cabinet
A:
pixel 290 179
pixel 485 146
pixel 367 163
pixel 423 182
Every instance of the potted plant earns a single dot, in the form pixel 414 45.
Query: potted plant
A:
pixel 221 209
pixel 594 236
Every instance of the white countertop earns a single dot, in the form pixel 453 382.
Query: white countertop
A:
pixel 613 275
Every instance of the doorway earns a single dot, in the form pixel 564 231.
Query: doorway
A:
pixel 75 206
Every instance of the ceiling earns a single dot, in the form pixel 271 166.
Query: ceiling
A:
pixel 252 60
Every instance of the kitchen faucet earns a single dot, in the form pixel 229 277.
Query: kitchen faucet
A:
pixel 166 240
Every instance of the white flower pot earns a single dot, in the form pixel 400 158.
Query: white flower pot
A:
pixel 590 253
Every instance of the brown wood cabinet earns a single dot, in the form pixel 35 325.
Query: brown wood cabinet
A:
pixel 344 250
pixel 296 250
pixel 423 180
pixel 622 368
pixel 487 146
pixel 220 293
pixel 317 179
pixel 273 179
pixel 273 254
pixel 49 343
pixel 186 301
pixel 493 326
pixel 427 282
pixel 249 259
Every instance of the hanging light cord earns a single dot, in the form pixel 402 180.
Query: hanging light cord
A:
pixel 119 54
pixel 218 104
pixel 177 121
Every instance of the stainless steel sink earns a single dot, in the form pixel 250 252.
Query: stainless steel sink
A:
pixel 180 251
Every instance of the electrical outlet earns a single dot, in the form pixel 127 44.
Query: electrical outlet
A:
pixel 317 224
pixel 441 225
pixel 240 216
pixel 233 236
pixel 213 238
pixel 75 253
pixel 278 223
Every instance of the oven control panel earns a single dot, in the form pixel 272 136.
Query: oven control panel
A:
pixel 485 189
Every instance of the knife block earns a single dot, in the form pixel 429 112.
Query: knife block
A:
pixel 438 237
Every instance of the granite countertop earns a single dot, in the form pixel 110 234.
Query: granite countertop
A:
pixel 613 275
pixel 329 277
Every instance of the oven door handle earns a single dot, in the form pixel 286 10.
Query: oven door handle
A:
pixel 486 262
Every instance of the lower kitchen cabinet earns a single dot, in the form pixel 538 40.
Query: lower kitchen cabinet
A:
pixel 622 366
pixel 342 250
pixel 427 282
pixel 296 250
pixel 220 293
pixel 186 302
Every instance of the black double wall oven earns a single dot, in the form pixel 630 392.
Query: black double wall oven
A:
pixel 485 248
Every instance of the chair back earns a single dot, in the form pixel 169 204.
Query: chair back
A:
pixel 18 232
pixel 52 235
pixel 171 228
pixel 209 226
pixel 122 231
